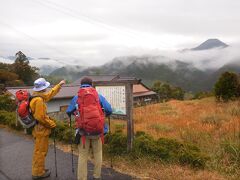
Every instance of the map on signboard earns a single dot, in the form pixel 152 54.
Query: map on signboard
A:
pixel 116 96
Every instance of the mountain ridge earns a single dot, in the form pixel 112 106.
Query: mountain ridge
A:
pixel 210 44
pixel 183 74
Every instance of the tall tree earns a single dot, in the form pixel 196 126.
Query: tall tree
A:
pixel 167 91
pixel 22 68
pixel 177 93
pixel 227 86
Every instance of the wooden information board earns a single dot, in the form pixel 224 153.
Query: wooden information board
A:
pixel 120 96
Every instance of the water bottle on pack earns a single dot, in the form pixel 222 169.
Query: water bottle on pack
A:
pixel 77 110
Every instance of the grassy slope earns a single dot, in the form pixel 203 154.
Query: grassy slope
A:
pixel 207 124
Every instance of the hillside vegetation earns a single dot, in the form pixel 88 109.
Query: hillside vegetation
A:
pixel 212 127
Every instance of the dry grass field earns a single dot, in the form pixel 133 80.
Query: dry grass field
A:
pixel 213 127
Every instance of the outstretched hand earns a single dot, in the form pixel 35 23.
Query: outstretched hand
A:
pixel 62 82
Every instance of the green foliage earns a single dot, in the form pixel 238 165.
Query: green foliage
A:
pixel 166 91
pixel 116 144
pixel 63 131
pixel 6 103
pixel 164 149
pixel 9 119
pixel 227 87
pixel 202 94
pixel 233 151
pixel 177 93
pixel 143 145
pixel 22 68
pixel 191 156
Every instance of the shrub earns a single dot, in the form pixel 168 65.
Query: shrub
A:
pixel 164 149
pixel 201 95
pixel 190 154
pixel 167 91
pixel 227 87
pixel 168 149
pixel 6 103
pixel 68 135
pixel 233 150
pixel 143 145
pixel 63 131
pixel 116 144
pixel 9 118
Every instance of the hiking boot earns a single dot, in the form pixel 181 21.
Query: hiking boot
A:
pixel 45 175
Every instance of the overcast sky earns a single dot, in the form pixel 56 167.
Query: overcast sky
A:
pixel 92 32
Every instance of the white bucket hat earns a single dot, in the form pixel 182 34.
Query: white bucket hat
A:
pixel 40 84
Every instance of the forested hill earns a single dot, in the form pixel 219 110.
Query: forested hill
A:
pixel 150 69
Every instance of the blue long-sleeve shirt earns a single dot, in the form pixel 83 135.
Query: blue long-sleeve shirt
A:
pixel 104 103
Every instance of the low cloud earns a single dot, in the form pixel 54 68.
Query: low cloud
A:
pixel 207 59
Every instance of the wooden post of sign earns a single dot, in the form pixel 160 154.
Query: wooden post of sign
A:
pixel 129 106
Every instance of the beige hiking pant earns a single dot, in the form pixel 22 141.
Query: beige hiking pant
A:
pixel 91 145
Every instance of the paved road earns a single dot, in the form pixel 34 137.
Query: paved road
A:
pixel 16 157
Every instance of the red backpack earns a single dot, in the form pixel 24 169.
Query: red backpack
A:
pixel 89 115
pixel 23 98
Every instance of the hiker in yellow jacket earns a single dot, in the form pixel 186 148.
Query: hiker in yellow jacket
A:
pixel 43 127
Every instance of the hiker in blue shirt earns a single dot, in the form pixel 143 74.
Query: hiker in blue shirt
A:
pixel 93 141
pixel 104 103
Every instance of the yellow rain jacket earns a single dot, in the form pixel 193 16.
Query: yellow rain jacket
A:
pixel 39 110
pixel 41 130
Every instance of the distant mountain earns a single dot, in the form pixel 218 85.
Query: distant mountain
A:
pixel 210 44
pixel 44 58
pixel 11 57
pixel 67 72
pixel 147 68
pixel 152 68
pixel 47 69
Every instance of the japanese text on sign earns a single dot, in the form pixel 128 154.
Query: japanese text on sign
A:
pixel 116 96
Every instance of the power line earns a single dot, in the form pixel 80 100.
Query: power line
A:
pixel 35 39
pixel 75 15
pixel 95 21
pixel 82 17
